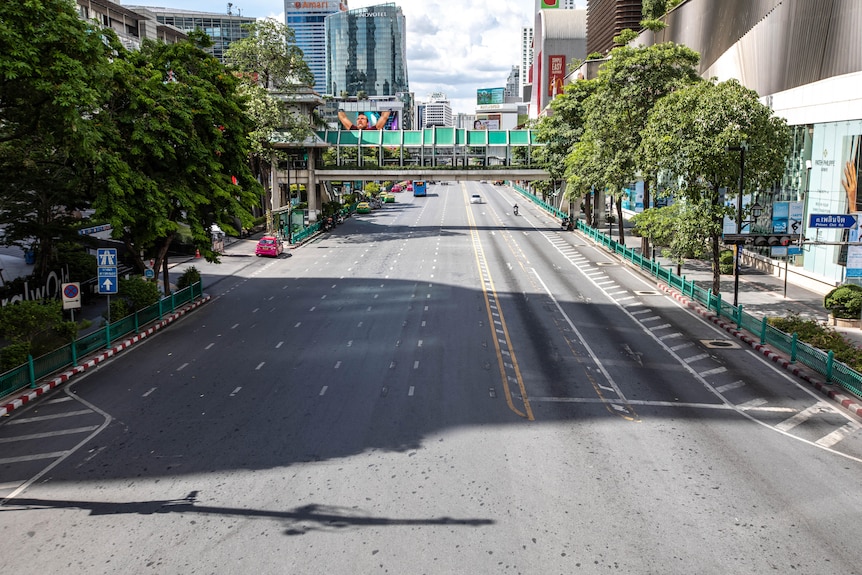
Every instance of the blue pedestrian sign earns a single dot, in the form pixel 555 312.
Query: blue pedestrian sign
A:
pixel 106 257
pixel 834 221
pixel 107 280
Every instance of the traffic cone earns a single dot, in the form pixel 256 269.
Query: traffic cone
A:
pixel 197 253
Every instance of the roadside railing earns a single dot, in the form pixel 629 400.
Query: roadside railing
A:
pixel 822 362
pixel 68 356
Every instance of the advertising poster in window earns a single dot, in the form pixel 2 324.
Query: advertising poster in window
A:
pixel 556 74
pixel 369 120
pixel 487 122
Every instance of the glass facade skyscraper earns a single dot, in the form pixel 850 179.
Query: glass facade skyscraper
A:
pixel 307 21
pixel 366 51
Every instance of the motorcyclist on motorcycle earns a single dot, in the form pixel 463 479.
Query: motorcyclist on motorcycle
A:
pixel 515 208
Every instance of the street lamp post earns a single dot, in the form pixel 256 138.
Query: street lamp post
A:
pixel 742 148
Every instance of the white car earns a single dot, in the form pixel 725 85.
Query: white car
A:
pixel 475 199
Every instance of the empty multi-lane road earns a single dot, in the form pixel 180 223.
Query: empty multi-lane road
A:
pixel 435 387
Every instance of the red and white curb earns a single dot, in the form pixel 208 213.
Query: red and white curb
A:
pixel 62 378
pixel 835 393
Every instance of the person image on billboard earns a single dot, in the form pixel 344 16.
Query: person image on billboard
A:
pixel 363 122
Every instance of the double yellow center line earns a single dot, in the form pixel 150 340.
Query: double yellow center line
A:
pixel 506 359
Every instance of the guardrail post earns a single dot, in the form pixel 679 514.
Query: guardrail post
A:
pixel 830 360
pixel 718 304
pixel 763 330
pixel 794 340
pixel 31 370
pixel 137 324
pixel 74 353
pixel 108 334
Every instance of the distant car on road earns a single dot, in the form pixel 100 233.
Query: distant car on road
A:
pixel 269 246
pixel 475 199
pixel 363 208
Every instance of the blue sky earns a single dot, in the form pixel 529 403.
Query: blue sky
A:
pixel 452 47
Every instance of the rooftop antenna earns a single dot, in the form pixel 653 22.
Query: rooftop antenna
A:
pixel 229 7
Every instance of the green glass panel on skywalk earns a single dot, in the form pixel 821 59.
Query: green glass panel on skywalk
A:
pixel 413 138
pixel 371 137
pixel 428 136
pixel 391 137
pixel 519 137
pixel 460 137
pixel 477 138
pixel 498 137
pixel 347 138
pixel 444 136
pixel 329 136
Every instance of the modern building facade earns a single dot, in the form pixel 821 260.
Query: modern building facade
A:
pixel 607 18
pixel 307 20
pixel 804 59
pixel 131 26
pixel 222 28
pixel 366 52
pixel 560 38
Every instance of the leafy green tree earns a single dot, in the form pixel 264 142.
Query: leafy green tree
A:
pixel 688 136
pixel 272 68
pixel 53 73
pixel 652 9
pixel 269 56
pixel 179 125
pixel 629 84
pixel 681 230
pixel 562 130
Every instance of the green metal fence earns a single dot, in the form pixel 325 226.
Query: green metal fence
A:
pixel 68 356
pixel 820 361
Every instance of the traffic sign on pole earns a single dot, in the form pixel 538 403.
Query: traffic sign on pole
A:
pixel 834 221
pixel 107 280
pixel 106 257
pixel 71 295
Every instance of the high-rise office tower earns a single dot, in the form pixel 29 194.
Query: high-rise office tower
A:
pixel 607 18
pixel 307 21
pixel 526 57
pixel 366 51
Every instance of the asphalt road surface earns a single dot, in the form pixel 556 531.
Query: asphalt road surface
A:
pixel 435 387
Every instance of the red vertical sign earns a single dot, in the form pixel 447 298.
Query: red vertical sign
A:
pixel 556 74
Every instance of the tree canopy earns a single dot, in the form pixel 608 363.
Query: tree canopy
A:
pixel 629 85
pixel 52 73
pixel 179 127
pixel 689 136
